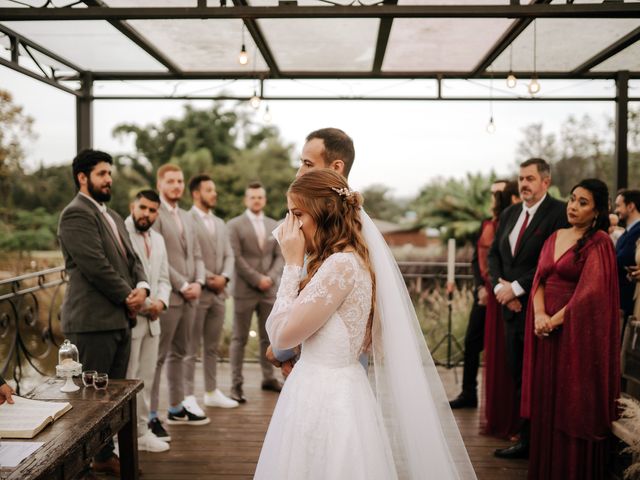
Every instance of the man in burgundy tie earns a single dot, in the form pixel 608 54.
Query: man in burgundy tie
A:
pixel 107 283
pixel 522 230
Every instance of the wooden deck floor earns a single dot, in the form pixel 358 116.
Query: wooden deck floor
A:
pixel 228 448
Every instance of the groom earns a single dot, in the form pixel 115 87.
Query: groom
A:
pixel 325 148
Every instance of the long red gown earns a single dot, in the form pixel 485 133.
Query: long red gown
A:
pixel 571 378
pixel 499 410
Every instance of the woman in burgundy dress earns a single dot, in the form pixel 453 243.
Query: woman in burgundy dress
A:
pixel 571 373
pixel 499 414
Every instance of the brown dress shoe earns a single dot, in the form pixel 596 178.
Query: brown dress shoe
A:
pixel 272 385
pixel 111 466
pixel 237 394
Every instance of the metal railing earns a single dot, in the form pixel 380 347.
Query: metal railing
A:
pixel 30 333
pixel 30 329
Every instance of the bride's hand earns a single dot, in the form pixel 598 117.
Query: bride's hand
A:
pixel 292 241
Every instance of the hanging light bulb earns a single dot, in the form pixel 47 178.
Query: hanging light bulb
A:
pixel 254 101
pixel 267 115
pixel 243 57
pixel 534 85
pixel 491 126
pixel 511 78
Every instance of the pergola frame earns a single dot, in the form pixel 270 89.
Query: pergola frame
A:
pixel 386 11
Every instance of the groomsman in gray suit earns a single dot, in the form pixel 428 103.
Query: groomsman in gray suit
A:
pixel 217 256
pixel 186 274
pixel 145 336
pixel 107 284
pixel 258 267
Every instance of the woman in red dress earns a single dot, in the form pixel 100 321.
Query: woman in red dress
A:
pixel 499 414
pixel 571 373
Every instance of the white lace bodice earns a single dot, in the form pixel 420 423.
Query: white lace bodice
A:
pixel 329 316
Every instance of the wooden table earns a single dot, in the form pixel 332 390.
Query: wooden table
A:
pixel 73 439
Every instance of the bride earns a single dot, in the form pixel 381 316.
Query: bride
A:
pixel 331 421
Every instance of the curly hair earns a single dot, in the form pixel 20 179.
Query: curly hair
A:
pixel 325 195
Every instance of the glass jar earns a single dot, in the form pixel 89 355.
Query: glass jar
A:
pixel 68 354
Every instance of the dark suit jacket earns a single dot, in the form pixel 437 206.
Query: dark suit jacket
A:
pixel 625 257
pixel 550 216
pixel 100 275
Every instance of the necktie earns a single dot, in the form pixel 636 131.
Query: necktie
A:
pixel 176 218
pixel 259 228
pixel 114 229
pixel 147 244
pixel 211 226
pixel 521 233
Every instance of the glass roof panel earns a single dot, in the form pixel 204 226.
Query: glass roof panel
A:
pixel 627 59
pixel 92 45
pixel 151 3
pixel 202 45
pixel 440 44
pixel 322 44
pixel 563 44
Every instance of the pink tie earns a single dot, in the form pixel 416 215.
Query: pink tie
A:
pixel 176 218
pixel 114 229
pixel 210 224
pixel 147 244
pixel 259 227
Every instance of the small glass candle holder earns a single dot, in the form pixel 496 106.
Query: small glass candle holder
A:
pixel 87 377
pixel 100 381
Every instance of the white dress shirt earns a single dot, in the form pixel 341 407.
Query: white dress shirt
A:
pixel 258 226
pixel 513 238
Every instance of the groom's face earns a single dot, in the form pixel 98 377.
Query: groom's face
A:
pixel 312 156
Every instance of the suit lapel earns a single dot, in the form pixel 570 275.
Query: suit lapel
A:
pixel 535 222
pixel 112 235
pixel 252 232
pixel 511 223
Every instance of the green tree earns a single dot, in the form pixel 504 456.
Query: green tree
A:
pixel 15 130
pixel 455 206
pixel 380 204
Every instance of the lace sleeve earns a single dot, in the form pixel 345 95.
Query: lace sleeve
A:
pixel 294 318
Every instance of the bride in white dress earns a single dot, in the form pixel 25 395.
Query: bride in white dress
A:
pixel 329 422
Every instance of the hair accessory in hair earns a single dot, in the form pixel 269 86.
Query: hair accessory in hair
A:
pixel 343 192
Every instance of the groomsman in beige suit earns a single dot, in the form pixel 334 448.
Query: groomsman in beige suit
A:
pixel 145 336
pixel 258 267
pixel 217 256
pixel 186 274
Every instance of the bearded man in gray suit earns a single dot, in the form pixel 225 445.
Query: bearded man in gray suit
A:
pixel 217 256
pixel 186 274
pixel 258 267
pixel 107 284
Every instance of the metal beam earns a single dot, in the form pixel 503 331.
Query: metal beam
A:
pixel 212 75
pixel 505 40
pixel 29 73
pixel 605 10
pixel 25 41
pixel 365 99
pixel 622 126
pixel 383 39
pixel 609 52
pixel 133 35
pixel 84 114
pixel 261 43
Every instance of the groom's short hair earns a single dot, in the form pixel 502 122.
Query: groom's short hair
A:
pixel 337 146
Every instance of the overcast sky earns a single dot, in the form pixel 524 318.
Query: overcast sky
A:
pixel 398 144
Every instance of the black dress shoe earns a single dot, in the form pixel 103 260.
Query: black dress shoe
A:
pixel 518 450
pixel 464 401
pixel 237 395
pixel 272 385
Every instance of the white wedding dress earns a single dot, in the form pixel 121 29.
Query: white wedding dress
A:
pixel 327 424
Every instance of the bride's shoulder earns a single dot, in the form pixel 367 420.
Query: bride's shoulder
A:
pixel 341 261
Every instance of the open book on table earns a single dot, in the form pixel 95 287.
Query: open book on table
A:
pixel 26 418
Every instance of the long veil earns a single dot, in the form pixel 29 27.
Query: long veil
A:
pixel 424 436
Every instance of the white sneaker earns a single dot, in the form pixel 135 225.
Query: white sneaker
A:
pixel 219 399
pixel 150 443
pixel 191 404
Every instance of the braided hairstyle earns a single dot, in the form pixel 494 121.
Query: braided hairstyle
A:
pixel 325 195
pixel 600 194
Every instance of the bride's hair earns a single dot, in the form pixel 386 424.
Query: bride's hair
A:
pixel 325 195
